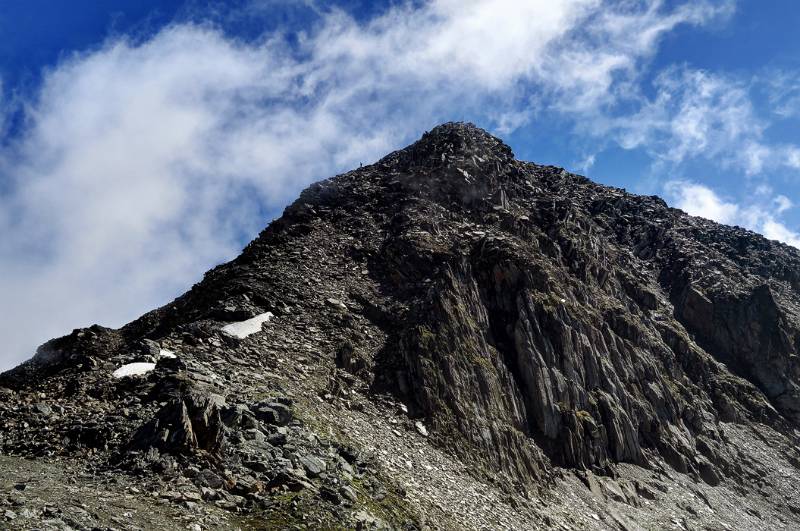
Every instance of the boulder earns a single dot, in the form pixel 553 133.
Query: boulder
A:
pixel 184 425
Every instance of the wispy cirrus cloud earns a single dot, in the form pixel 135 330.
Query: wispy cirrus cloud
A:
pixel 698 114
pixel 783 90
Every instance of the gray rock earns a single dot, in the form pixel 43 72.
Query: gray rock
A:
pixel 347 492
pixel 274 413
pixel 257 466
pixel 336 304
pixel 209 478
pixel 233 415
pixel 313 466
pixel 43 409
pixel 330 495
pixel 708 472
pixel 182 426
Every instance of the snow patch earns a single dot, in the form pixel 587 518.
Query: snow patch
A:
pixel 164 353
pixel 134 369
pixel 245 328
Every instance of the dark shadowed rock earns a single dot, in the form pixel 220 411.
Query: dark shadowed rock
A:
pixel 183 425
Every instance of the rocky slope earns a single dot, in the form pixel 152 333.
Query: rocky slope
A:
pixel 447 339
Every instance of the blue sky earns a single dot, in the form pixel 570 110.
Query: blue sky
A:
pixel 142 142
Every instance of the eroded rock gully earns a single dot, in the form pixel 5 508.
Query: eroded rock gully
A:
pixel 457 339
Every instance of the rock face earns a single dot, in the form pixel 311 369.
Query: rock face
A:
pixel 592 357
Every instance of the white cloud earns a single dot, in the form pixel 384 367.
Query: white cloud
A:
pixel 763 189
pixel 759 215
pixel 632 30
pixel 775 230
pixel 586 164
pixel 698 114
pixel 141 164
pixel 694 113
pixel 783 91
pixel 699 200
pixel 792 155
pixel 782 203
pixel 510 121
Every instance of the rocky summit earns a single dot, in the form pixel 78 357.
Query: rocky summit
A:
pixel 449 338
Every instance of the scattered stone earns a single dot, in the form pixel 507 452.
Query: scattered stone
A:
pixel 274 413
pixel 257 466
pixel 312 465
pixel 43 409
pixel 330 495
pixel 365 521
pixel 337 304
pixel 247 485
pixel 347 492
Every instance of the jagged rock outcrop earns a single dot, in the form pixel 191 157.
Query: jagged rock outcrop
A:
pixel 450 304
pixel 184 425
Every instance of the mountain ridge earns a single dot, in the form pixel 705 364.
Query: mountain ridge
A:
pixel 537 329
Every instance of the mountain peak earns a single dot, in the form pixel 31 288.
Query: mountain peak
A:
pixel 467 131
pixel 458 140
pixel 454 162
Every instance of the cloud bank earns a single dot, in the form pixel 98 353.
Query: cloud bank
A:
pixel 142 163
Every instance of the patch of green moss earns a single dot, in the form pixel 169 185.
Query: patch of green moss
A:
pixel 281 515
pixel 427 339
pixel 392 509
pixel 482 360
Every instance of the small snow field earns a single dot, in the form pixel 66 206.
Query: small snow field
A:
pixel 134 369
pixel 164 353
pixel 243 329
